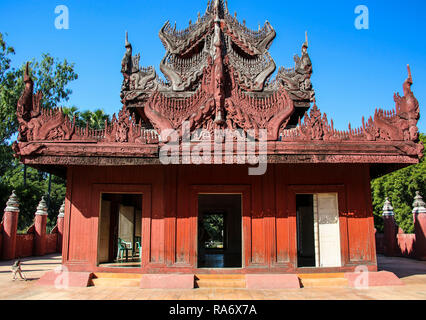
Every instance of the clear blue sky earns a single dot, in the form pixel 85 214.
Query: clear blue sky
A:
pixel 355 71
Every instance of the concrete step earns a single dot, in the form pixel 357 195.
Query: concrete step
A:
pixel 322 280
pixel 220 276
pixel 116 280
pixel 220 281
pixel 109 275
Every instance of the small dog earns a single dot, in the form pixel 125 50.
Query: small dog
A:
pixel 16 269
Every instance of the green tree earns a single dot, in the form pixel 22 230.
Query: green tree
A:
pixel 51 77
pixel 32 191
pixel 71 112
pixel 400 187
pixel 96 119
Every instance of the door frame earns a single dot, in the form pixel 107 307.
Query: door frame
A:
pixel 340 190
pixel 244 191
pixel 138 189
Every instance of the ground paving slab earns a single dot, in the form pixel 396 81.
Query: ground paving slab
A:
pixel 411 272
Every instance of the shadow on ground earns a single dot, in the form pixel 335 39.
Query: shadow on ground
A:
pixel 401 267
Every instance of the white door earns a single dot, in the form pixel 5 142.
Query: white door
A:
pixel 328 230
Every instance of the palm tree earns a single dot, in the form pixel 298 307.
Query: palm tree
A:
pixel 71 112
pixel 96 119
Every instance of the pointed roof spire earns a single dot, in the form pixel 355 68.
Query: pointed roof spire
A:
pixel 306 44
pixel 219 7
pixel 410 78
pixel 216 7
pixel 27 77
pixel 127 43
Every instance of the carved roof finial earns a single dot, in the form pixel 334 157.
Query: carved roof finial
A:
pixel 216 5
pixel 216 10
pixel 127 43
pixel 27 77
pixel 306 44
pixel 410 78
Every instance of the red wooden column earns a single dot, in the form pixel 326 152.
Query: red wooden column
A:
pixel 40 228
pixel 10 226
pixel 60 224
pixel 419 216
pixel 390 230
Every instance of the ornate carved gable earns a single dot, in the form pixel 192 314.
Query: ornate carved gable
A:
pixel 218 78
pixel 217 74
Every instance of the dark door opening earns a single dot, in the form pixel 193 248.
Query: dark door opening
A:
pixel 219 231
pixel 305 230
pixel 120 226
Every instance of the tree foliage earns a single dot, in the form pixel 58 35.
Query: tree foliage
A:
pixel 94 119
pixel 214 226
pixel 51 77
pixel 400 187
pixel 31 191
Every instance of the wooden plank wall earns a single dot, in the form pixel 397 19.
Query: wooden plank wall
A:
pixel 269 218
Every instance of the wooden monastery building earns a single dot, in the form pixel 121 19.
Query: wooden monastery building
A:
pixel 289 194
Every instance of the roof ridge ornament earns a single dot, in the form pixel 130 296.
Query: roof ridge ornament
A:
pixel 306 44
pixel 410 78
pixel 127 43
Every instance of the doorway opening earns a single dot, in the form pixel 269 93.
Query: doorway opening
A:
pixel 318 230
pixel 219 231
pixel 120 231
pixel 305 230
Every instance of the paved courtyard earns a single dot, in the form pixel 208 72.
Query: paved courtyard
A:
pixel 412 272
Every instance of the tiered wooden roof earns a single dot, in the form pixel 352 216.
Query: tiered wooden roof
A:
pixel 218 77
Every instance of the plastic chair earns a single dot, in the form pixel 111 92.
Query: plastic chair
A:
pixel 138 247
pixel 123 246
